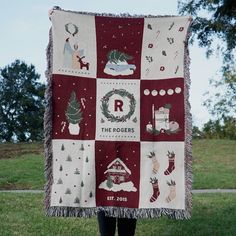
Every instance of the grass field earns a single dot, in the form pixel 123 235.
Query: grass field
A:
pixel 22 167
pixel 214 165
pixel 23 214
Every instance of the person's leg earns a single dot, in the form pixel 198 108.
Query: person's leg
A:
pixel 126 227
pixel 107 225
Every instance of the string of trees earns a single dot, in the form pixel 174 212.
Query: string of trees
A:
pixel 22 103
pixel 214 28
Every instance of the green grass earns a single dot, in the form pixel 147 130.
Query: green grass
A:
pixel 23 214
pixel 24 172
pixel 214 165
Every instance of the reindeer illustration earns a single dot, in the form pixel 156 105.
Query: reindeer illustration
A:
pixel 83 64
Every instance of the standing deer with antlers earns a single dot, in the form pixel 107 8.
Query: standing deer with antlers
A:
pixel 83 64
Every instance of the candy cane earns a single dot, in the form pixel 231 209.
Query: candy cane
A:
pixel 82 101
pixel 63 123
pixel 158 32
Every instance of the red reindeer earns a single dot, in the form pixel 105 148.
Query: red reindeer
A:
pixel 83 64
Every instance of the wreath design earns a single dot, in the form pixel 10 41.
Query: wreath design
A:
pixel 75 28
pixel 105 103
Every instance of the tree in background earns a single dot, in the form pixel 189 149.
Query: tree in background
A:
pixel 219 22
pixel 22 98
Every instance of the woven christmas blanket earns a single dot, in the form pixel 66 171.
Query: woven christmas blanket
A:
pixel 117 119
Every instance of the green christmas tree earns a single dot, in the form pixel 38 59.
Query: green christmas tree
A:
pixel 87 160
pixel 73 111
pixel 115 56
pixel 109 182
pixel 77 200
pixel 82 184
pixel 59 181
pixel 91 194
pixel 62 147
pixel 68 191
pixel 60 201
pixel 77 172
pixel 81 147
pixel 69 158
pixel 61 169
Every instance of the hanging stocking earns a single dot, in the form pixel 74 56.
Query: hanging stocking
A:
pixel 172 193
pixel 155 188
pixel 155 163
pixel 171 167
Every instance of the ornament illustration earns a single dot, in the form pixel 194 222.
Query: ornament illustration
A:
pixel 176 70
pixel 170 40
pixel 117 64
pixel 155 189
pixel 74 114
pixel 118 177
pixel 172 194
pixel 171 26
pixel 173 126
pixel 149 59
pixel 150 45
pixel 161 122
pixel 155 163
pixel 118 105
pixel 149 26
pixel 164 53
pixel 171 166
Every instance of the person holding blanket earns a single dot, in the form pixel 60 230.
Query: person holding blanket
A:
pixel 107 225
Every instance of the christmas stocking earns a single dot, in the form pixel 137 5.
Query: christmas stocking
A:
pixel 155 188
pixel 172 193
pixel 155 163
pixel 171 167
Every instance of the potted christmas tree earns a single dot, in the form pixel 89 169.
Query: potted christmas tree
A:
pixel 74 114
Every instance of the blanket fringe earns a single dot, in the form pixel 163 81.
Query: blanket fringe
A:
pixel 48 126
pixel 115 211
pixel 123 15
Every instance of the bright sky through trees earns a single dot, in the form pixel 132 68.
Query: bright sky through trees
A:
pixel 24 35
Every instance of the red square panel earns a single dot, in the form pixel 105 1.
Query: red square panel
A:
pixel 74 99
pixel 117 173
pixel 119 42
pixel 162 102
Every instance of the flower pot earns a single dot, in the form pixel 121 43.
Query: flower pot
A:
pixel 74 129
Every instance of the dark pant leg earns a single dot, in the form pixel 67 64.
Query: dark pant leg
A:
pixel 126 227
pixel 107 225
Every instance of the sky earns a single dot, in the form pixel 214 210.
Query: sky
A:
pixel 24 35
